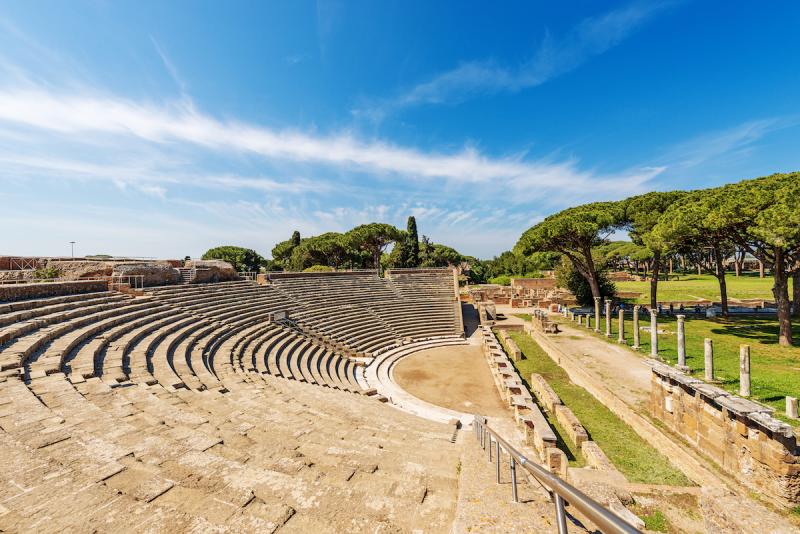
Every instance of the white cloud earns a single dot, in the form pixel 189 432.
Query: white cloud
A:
pixel 734 142
pixel 554 57
pixel 180 122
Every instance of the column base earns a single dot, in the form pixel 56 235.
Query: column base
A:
pixel 682 368
pixel 621 341
pixel 609 336
pixel 636 347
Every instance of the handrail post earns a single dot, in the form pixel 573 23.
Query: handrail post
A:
pixel 489 447
pixel 561 515
pixel 514 480
pixel 497 451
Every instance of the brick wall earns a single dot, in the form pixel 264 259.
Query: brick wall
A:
pixel 741 436
pixel 12 292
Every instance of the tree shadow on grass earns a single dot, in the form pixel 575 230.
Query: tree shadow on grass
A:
pixel 766 333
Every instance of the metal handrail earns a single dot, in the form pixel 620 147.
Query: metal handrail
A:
pixel 561 491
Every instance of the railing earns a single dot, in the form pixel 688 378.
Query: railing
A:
pixel 560 491
pixel 248 275
pixel 133 281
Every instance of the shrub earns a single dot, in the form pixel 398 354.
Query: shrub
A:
pixel 503 280
pixel 568 278
pixel 318 269
pixel 47 273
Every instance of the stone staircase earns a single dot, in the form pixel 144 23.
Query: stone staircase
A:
pixel 487 507
pixel 187 275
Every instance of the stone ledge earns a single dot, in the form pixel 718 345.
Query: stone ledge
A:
pixel 754 412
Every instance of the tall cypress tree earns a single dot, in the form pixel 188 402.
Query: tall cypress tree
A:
pixel 295 238
pixel 412 243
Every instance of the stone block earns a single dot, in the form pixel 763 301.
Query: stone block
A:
pixel 595 456
pixel 544 393
pixel 556 461
pixel 571 425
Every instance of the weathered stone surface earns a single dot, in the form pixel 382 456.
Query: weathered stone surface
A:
pixel 738 434
pixel 544 393
pixel 571 425
pixel 15 292
pixel 153 274
pixel 595 456
pixel 212 271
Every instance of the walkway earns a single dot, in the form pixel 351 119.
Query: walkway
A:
pixel 620 379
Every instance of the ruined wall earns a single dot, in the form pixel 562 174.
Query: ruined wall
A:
pixel 212 271
pixel 739 435
pixel 519 284
pixel 12 292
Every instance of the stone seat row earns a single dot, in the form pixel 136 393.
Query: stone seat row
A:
pixel 192 458
pixel 178 456
pixel 284 353
pixel 145 338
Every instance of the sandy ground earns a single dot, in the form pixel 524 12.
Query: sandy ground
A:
pixel 453 377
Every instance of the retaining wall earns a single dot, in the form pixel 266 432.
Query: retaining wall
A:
pixel 13 292
pixel 741 436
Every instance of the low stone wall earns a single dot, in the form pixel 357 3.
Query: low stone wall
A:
pixel 13 292
pixel 520 284
pixel 741 436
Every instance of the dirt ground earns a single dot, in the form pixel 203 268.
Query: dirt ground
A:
pixel 455 377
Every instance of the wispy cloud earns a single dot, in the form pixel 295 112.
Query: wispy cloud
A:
pixel 182 122
pixel 554 57
pixel 735 142
pixel 169 66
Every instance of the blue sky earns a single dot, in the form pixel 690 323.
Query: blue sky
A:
pixel 164 128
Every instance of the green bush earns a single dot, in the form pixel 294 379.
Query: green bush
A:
pixel 242 259
pixel 318 269
pixel 503 280
pixel 47 273
pixel 569 278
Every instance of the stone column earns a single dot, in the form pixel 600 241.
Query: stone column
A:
pixel 580 320
pixel 621 334
pixel 682 343
pixel 744 370
pixel 608 318
pixel 597 314
pixel 654 333
pixel 708 349
pixel 636 334
pixel 791 407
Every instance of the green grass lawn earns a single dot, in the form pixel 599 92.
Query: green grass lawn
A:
pixel 774 370
pixel 706 286
pixel 633 456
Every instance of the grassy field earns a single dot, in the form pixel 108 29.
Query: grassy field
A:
pixel 697 287
pixel 774 370
pixel 634 457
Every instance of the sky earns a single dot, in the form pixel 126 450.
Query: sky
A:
pixel 162 129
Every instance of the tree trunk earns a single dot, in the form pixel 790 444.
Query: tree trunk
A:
pixel 737 267
pixel 780 290
pixel 654 280
pixel 760 269
pixel 699 269
pixel 594 284
pixel 796 292
pixel 723 287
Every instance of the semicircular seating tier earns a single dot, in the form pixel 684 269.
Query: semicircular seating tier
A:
pixel 224 407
